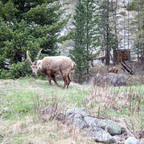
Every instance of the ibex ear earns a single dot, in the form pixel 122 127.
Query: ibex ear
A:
pixel 28 58
pixel 38 56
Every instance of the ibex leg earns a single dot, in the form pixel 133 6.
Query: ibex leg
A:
pixel 54 79
pixel 49 76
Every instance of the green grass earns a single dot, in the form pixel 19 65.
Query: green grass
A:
pixel 20 96
pixel 22 100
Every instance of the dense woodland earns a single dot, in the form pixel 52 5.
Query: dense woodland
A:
pixel 34 25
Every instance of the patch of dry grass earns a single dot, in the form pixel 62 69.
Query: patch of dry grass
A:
pixel 123 104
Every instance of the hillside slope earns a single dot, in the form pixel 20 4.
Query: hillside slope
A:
pixel 23 100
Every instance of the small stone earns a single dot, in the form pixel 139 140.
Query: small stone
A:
pixel 131 140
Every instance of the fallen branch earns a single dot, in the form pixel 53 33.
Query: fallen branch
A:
pixel 126 67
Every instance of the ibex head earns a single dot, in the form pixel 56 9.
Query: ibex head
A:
pixel 36 64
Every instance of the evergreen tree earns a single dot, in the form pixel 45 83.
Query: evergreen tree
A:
pixel 108 30
pixel 29 25
pixel 78 53
pixel 92 32
pixel 104 21
pixel 86 37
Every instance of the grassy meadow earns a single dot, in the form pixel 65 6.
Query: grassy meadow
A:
pixel 23 100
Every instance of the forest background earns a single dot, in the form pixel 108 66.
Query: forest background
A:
pixel 27 25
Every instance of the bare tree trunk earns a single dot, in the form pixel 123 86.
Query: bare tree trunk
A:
pixel 107 56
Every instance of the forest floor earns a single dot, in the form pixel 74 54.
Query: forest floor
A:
pixel 23 100
pixel 138 67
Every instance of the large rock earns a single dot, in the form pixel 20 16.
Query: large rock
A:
pixel 131 140
pixel 101 130
pixel 112 127
pixel 117 79
pixel 100 135
pixel 120 79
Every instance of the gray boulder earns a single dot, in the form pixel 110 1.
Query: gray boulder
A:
pixel 117 79
pixel 100 135
pixel 112 127
pixel 131 140
pixel 101 130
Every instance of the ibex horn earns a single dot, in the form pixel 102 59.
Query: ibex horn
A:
pixel 28 58
pixel 38 56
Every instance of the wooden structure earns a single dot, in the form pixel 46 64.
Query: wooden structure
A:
pixel 121 55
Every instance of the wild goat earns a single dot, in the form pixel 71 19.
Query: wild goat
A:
pixel 53 65
pixel 113 70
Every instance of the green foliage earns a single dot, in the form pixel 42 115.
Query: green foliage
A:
pixel 132 6
pixel 8 10
pixel 27 25
pixel 79 51
pixel 16 70
pixel 86 37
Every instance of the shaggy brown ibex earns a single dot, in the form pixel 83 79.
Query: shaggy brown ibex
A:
pixel 53 65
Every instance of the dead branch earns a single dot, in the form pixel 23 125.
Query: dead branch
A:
pixel 126 67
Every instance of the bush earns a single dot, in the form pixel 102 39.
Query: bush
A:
pixel 20 69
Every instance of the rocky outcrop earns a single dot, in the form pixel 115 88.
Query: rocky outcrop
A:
pixel 101 130
pixel 112 79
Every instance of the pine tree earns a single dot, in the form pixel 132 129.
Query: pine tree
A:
pixel 78 53
pixel 92 36
pixel 86 37
pixel 104 21
pixel 29 25
pixel 108 30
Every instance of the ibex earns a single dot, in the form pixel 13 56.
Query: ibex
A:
pixel 53 65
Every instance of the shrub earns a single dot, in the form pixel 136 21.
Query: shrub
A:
pixel 20 69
